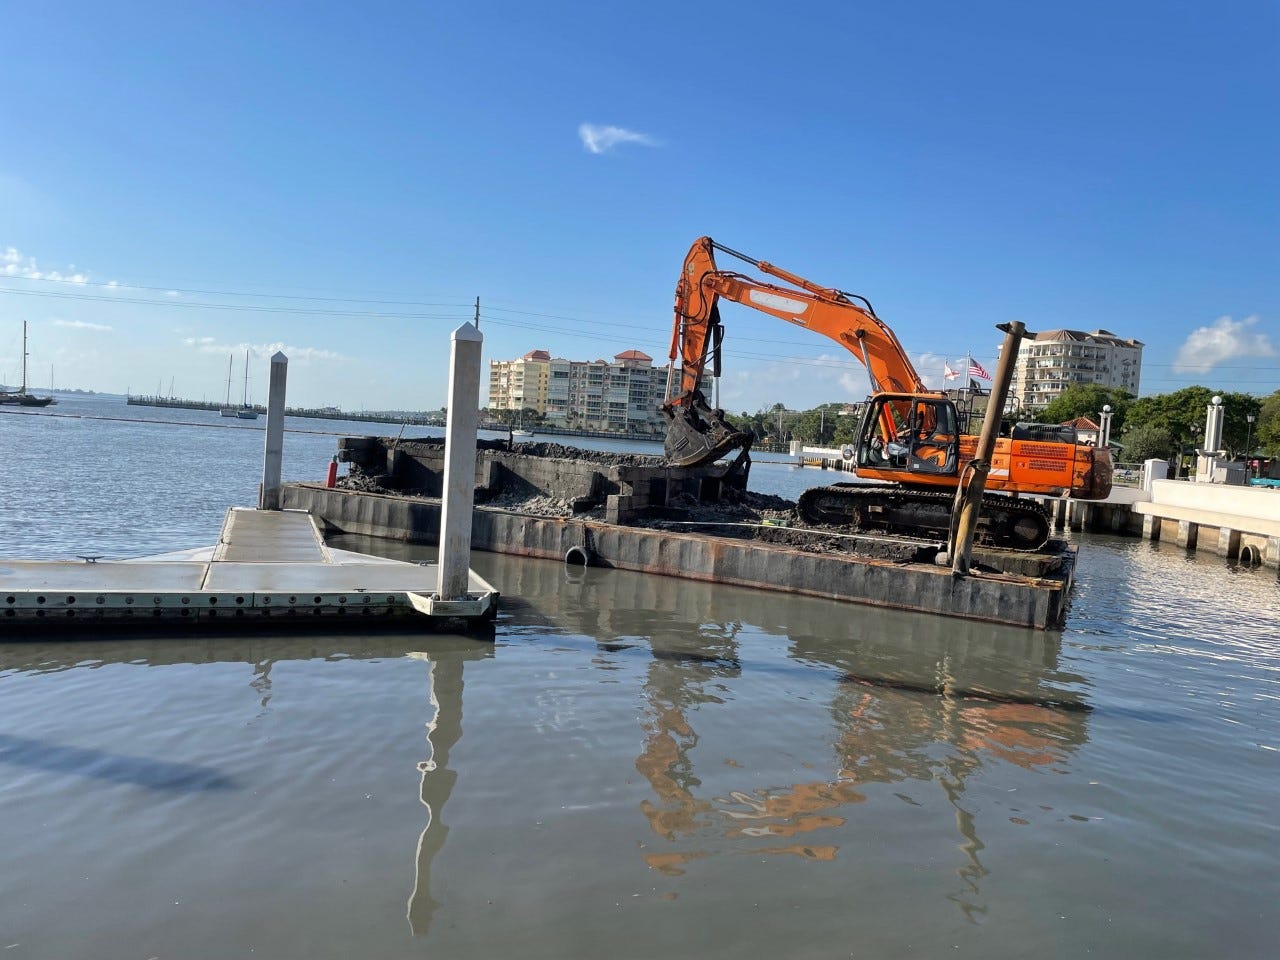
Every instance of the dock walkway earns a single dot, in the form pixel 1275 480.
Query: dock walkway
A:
pixel 266 564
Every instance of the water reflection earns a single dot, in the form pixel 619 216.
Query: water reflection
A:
pixel 444 685
pixel 907 701
pixel 911 700
pixel 261 650
pixel 444 663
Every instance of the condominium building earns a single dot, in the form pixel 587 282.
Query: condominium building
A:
pixel 520 384
pixel 1050 362
pixel 618 396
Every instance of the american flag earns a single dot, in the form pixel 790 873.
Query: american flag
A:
pixel 978 370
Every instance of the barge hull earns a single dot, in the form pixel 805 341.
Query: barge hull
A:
pixel 1038 602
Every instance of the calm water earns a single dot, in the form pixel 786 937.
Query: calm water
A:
pixel 637 767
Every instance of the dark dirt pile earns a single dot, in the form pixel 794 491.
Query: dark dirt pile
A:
pixel 559 451
pixel 363 482
pixel 539 505
pixel 750 516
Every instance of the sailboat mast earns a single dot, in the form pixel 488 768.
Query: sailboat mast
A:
pixel 246 379
pixel 24 357
pixel 231 358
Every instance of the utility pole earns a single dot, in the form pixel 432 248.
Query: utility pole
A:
pixel 477 313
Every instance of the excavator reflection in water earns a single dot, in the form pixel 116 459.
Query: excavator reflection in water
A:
pixel 909 435
pixel 884 734
pixel 902 686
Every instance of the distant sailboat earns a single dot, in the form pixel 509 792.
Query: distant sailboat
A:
pixel 246 411
pixel 21 397
pixel 228 410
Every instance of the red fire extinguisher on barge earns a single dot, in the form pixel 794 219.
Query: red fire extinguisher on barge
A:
pixel 332 479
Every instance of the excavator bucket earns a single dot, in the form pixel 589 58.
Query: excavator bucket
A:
pixel 698 435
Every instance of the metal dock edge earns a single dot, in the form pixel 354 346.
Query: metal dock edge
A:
pixel 267 566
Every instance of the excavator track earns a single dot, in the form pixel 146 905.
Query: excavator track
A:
pixel 1005 522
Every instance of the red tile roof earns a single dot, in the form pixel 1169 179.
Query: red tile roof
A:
pixel 1082 423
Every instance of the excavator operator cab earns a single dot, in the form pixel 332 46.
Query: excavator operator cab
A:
pixel 913 434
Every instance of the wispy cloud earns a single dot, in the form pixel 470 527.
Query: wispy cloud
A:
pixel 1224 339
pixel 929 366
pixel 82 325
pixel 13 263
pixel 262 350
pixel 603 139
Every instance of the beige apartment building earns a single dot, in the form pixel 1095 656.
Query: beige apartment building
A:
pixel 617 396
pixel 1050 362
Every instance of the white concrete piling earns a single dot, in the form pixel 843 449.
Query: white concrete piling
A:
pixel 459 463
pixel 273 446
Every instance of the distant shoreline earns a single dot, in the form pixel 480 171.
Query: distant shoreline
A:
pixel 410 420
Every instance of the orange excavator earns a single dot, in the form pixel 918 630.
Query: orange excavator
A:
pixel 909 435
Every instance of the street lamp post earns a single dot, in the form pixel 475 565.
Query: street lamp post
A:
pixel 1248 441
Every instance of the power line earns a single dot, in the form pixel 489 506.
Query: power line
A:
pixel 243 307
pixel 608 330
pixel 231 293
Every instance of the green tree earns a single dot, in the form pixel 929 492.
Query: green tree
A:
pixel 1235 423
pixel 846 430
pixel 1087 400
pixel 1148 442
pixel 1177 412
pixel 1183 414
pixel 818 426
pixel 1266 431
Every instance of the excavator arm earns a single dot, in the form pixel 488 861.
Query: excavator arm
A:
pixel 700 433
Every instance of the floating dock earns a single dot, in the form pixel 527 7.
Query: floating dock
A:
pixel 268 565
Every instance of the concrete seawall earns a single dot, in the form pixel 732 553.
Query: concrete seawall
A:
pixel 1230 521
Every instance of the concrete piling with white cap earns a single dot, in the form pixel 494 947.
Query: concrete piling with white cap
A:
pixel 273 446
pixel 459 463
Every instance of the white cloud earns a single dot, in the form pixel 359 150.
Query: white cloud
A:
pixel 603 139
pixel 82 325
pixel 1225 339
pixel 14 264
pixel 801 384
pixel 929 366
pixel 262 350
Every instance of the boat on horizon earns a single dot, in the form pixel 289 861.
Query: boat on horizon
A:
pixel 245 411
pixel 21 397
pixel 227 410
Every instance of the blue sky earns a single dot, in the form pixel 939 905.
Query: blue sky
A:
pixel 343 180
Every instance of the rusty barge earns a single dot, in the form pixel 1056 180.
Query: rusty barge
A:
pixel 639 513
